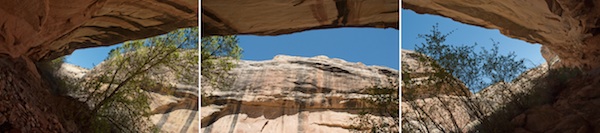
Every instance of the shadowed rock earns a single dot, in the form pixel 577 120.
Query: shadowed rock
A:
pixel 276 17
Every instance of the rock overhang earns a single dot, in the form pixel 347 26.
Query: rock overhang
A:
pixel 567 29
pixel 276 17
pixel 44 30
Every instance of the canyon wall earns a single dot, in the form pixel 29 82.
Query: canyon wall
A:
pixel 292 94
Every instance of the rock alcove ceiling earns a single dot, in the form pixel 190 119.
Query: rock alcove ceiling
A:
pixel 567 30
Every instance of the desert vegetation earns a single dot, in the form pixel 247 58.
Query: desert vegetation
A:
pixel 218 54
pixel 454 67
pixel 116 93
pixel 381 100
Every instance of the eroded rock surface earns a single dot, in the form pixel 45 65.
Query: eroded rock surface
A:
pixel 291 94
pixel 48 29
pixel 275 17
pixel 27 104
pixel 575 109
pixel 567 28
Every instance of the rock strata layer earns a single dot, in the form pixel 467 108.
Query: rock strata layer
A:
pixel 291 94
pixel 43 30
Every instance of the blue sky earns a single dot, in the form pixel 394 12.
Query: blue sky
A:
pixel 414 24
pixel 370 46
pixel 89 57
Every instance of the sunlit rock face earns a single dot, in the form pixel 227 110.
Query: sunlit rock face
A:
pixel 48 29
pixel 568 29
pixel 291 94
pixel 421 83
pixel 275 17
pixel 173 109
pixel 175 112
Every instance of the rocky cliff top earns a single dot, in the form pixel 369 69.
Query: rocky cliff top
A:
pixel 331 74
pixel 422 85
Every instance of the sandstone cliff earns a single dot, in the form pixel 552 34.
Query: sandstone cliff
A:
pixel 291 94
pixel 170 112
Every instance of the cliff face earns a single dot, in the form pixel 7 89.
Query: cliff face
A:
pixel 275 17
pixel 291 94
pixel 173 109
pixel 568 29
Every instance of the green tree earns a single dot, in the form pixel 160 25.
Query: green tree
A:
pixel 119 102
pixel 218 54
pixel 381 101
pixel 475 69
